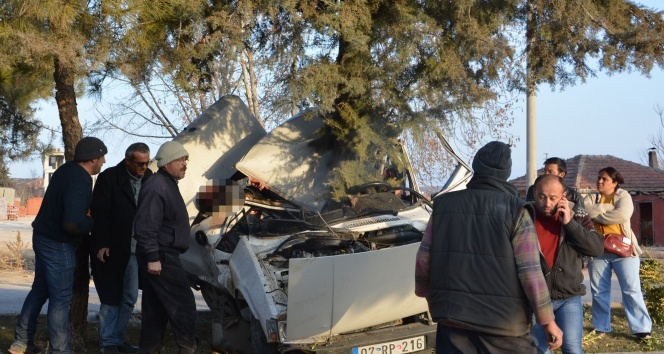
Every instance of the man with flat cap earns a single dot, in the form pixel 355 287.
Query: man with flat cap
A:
pixel 478 264
pixel 61 223
pixel 161 230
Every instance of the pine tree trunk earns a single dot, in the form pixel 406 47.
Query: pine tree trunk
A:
pixel 65 96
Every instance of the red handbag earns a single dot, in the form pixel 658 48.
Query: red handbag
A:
pixel 618 244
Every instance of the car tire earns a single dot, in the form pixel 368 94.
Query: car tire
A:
pixel 222 304
pixel 258 340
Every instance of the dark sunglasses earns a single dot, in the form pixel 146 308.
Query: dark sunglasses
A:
pixel 141 164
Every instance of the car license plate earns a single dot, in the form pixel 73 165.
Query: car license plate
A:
pixel 408 345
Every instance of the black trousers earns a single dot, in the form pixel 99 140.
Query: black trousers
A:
pixel 167 299
pixel 450 340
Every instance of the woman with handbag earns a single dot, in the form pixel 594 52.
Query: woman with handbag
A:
pixel 611 210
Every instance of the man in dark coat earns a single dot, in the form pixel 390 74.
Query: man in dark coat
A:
pixel 564 239
pixel 557 166
pixel 162 234
pixel 112 247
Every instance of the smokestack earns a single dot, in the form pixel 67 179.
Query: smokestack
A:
pixel 652 158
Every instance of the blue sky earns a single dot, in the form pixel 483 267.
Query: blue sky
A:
pixel 608 115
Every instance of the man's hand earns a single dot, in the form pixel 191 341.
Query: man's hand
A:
pixel 103 252
pixel 257 183
pixel 585 221
pixel 554 334
pixel 564 214
pixel 154 268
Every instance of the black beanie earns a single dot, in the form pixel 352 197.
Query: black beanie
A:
pixel 89 148
pixel 493 159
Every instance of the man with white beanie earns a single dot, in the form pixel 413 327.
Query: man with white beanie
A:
pixel 162 233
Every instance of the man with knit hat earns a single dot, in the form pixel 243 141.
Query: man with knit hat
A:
pixel 161 230
pixel 62 221
pixel 478 265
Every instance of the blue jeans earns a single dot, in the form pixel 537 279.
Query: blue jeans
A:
pixel 569 317
pixel 627 272
pixel 113 319
pixel 54 278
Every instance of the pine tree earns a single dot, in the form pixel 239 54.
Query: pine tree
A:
pixel 57 42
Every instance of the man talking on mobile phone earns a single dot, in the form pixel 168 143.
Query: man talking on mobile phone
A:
pixel 557 166
pixel 563 240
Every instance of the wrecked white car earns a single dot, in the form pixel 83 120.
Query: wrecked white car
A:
pixel 289 269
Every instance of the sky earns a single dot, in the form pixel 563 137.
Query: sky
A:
pixel 607 115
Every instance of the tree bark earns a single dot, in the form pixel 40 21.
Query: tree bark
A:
pixel 65 97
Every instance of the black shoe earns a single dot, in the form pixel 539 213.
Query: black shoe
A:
pixel 643 336
pixel 109 349
pixel 125 347
pixel 33 349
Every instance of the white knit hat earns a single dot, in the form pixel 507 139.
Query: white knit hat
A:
pixel 169 152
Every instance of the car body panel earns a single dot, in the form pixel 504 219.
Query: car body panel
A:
pixel 338 294
pixel 308 298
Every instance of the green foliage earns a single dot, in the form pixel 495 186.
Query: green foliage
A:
pixel 414 66
pixel 652 285
pixel 378 70
pixel 567 39
pixel 18 128
pixel 46 42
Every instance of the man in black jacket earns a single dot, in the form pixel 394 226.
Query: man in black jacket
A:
pixel 557 166
pixel 563 240
pixel 162 234
pixel 113 260
pixel 478 265
pixel 62 221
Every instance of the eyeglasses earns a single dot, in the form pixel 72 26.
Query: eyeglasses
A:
pixel 182 159
pixel 141 164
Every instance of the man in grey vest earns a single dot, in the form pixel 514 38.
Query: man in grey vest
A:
pixel 478 265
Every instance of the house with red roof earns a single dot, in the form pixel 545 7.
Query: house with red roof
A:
pixel 644 183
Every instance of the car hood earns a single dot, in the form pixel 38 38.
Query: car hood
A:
pixel 293 161
pixel 215 141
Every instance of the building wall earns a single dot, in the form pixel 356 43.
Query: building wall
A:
pixel 648 207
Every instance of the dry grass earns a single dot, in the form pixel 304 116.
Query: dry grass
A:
pixel 91 345
pixel 620 339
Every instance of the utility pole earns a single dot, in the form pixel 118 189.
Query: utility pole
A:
pixel 531 136
pixel 531 109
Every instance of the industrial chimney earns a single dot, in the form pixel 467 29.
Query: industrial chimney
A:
pixel 652 158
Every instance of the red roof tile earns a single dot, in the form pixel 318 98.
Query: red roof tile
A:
pixel 582 174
